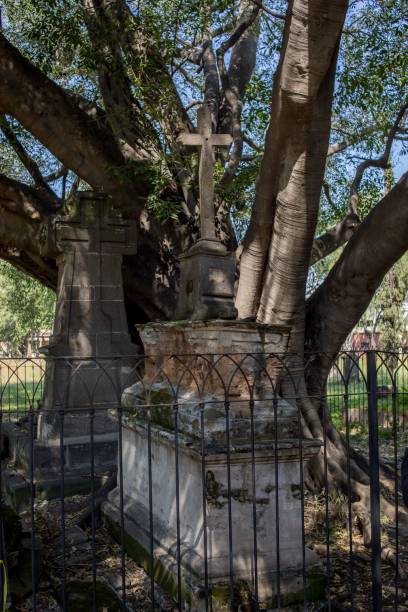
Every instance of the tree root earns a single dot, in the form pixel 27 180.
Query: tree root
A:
pixel 339 467
pixel 85 516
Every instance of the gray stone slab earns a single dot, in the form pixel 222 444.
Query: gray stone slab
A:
pixel 212 369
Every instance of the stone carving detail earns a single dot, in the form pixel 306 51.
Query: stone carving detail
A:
pixel 90 329
pixel 90 316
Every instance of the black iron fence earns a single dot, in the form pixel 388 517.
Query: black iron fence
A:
pixel 194 483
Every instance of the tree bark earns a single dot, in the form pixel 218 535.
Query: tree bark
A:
pixel 292 168
pixel 334 237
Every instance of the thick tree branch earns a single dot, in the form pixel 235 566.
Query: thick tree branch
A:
pixel 211 76
pixel 54 176
pixel 28 162
pixel 244 23
pixel 334 237
pixel 134 133
pixel 339 234
pixel 162 103
pixel 269 11
pixel 40 268
pixel 234 81
pixel 20 232
pixel 26 201
pixel 55 119
pixel 275 259
pixel 338 304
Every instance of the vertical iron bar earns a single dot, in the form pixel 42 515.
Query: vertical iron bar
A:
pixel 374 481
pixel 302 506
pixel 32 383
pixel 204 493
pixel 326 509
pixel 277 521
pixel 230 549
pixel 25 387
pixel 349 495
pixel 395 436
pixel 32 509
pixel 62 502
pixel 3 552
pixel 254 518
pixel 176 440
pixel 151 541
pixel 17 388
pixel 93 523
pixel 121 504
pixel 9 379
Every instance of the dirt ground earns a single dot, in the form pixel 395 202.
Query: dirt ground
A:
pixel 346 560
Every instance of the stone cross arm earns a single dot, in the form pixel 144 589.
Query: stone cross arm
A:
pixel 197 140
pixel 206 140
pixel 93 225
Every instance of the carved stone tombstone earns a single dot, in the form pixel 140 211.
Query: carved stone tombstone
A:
pixel 90 358
pixel 90 319
pixel 211 462
pixel 207 270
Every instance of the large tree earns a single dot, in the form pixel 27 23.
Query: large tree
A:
pixel 96 92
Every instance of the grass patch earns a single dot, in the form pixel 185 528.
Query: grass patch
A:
pixel 21 384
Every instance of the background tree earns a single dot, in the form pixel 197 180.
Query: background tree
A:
pixel 98 91
pixel 26 308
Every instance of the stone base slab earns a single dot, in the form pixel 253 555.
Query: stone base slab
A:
pixel 207 274
pixel 16 486
pixel 17 450
pixel 137 545
pixel 275 468
pixel 47 456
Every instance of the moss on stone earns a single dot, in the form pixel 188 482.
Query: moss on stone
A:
pixel 220 592
pixel 161 574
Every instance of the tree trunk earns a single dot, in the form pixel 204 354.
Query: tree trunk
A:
pixel 277 247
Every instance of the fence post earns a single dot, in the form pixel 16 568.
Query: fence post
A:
pixel 374 460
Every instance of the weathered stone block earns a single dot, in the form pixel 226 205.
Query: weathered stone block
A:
pixel 204 521
pixel 91 357
pixel 206 426
pixel 207 273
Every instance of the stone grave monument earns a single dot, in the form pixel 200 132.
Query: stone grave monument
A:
pixel 207 270
pixel 90 358
pixel 211 455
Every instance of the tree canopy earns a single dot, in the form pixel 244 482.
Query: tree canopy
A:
pixel 96 94
pixel 26 307
pixel 314 93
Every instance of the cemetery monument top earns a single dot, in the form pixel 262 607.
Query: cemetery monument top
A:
pixel 90 242
pixel 207 269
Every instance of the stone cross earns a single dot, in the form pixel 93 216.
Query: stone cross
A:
pixel 207 269
pixel 206 141
pixel 91 356
pixel 90 318
pixel 91 350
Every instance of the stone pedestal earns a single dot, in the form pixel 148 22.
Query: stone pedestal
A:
pixel 207 273
pixel 226 446
pixel 90 358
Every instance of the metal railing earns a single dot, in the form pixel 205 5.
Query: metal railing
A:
pixel 193 481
